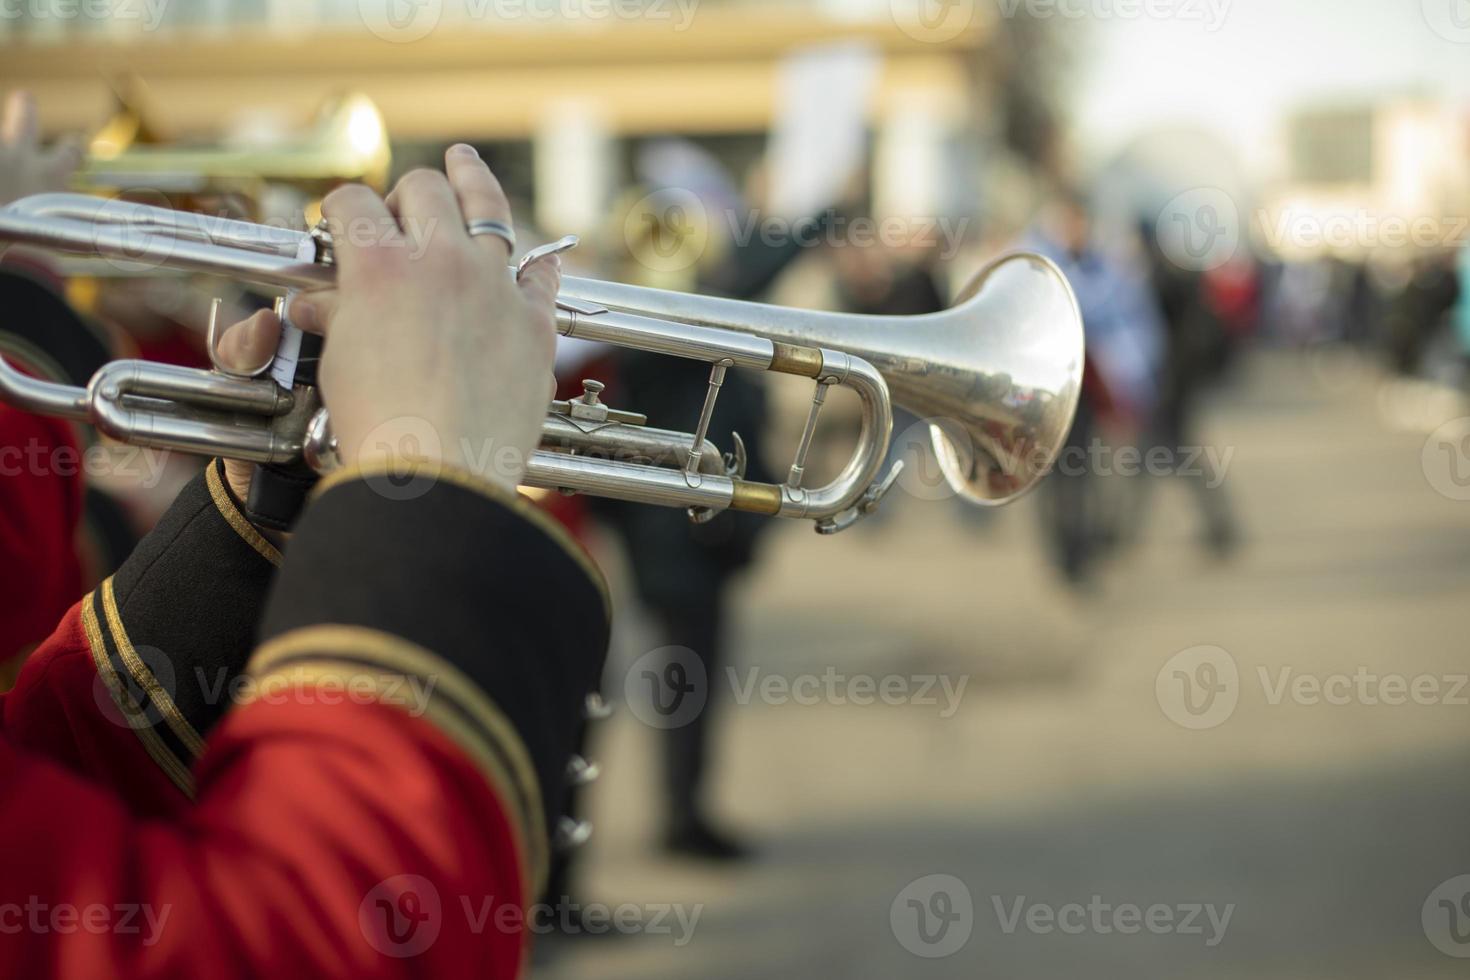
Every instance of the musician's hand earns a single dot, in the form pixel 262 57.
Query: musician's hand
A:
pixel 25 167
pixel 433 349
pixel 245 347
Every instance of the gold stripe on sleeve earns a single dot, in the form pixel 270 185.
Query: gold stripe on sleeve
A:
pixel 231 513
pixel 475 724
pixel 325 671
pixel 172 767
pixel 145 677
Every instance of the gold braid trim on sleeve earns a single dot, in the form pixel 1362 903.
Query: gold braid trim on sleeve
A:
pixel 358 656
pixel 237 520
pixel 173 767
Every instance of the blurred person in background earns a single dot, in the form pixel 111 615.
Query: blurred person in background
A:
pixel 1199 312
pixel 879 281
pixel 1120 392
pixel 1299 306
pixel 1461 314
pixel 1419 311
pixel 682 571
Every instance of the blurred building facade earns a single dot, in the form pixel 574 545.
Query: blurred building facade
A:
pixel 569 80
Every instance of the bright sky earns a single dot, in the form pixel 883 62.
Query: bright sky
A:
pixel 1264 58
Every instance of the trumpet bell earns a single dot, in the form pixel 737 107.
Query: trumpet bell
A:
pixel 996 377
pixel 1002 387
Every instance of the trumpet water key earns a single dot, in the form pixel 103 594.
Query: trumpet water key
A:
pixel 997 376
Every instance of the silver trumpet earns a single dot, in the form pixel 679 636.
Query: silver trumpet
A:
pixel 997 376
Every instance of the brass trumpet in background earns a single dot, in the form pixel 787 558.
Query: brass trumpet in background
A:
pixel 348 142
pixel 998 375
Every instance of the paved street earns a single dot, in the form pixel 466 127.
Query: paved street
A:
pixel 1089 833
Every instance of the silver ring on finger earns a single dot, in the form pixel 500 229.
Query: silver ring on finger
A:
pixel 499 229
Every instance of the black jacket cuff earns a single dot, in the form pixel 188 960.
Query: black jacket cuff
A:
pixel 172 630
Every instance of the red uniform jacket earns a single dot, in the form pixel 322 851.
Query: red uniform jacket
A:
pixel 343 762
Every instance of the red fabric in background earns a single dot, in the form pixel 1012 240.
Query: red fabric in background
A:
pixel 41 493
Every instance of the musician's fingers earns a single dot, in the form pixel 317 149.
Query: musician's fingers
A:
pixel 19 123
pixel 540 283
pixel 481 198
pixel 426 209
pixel 250 344
pixel 312 311
pixel 361 226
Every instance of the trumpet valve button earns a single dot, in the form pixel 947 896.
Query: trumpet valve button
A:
pixel 589 407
